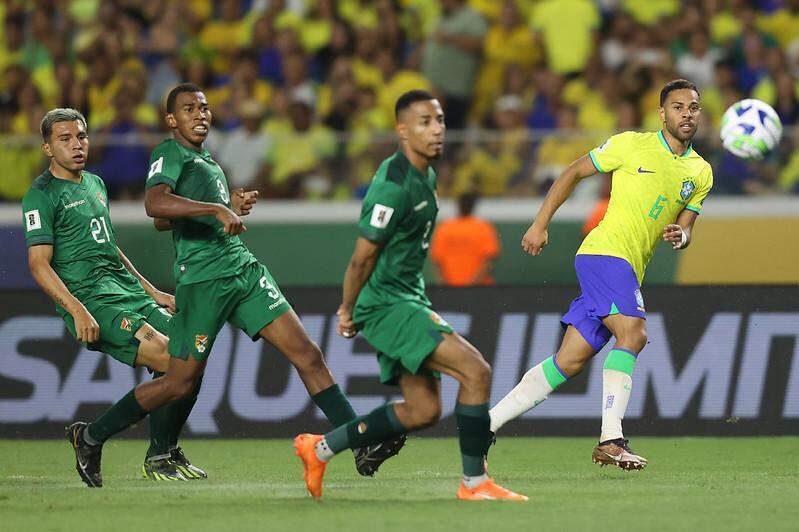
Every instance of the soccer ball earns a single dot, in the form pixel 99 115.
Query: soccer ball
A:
pixel 750 129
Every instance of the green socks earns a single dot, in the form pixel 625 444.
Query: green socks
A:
pixel 378 425
pixel 334 405
pixel 122 415
pixel 474 426
pixel 167 422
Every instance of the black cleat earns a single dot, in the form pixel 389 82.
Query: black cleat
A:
pixel 162 469
pixel 87 457
pixel 190 471
pixel 369 459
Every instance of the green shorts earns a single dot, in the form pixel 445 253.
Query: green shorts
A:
pixel 120 316
pixel 404 334
pixel 249 300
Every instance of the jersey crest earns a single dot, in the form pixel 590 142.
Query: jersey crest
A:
pixel 687 189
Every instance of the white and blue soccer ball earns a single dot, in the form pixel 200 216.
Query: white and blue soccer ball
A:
pixel 750 129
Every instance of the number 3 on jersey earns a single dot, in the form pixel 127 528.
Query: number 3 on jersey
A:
pixel 271 291
pixel 99 227
pixel 222 191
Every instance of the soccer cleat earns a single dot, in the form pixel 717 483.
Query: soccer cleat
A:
pixel 313 467
pixel 87 457
pixel 189 470
pixel 488 491
pixel 369 459
pixel 617 452
pixel 162 469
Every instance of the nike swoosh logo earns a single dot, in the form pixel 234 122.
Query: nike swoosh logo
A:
pixel 642 171
pixel 421 206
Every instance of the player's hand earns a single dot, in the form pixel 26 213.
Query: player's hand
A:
pixel 165 300
pixel 86 327
pixel 675 235
pixel 534 240
pixel 231 221
pixel 345 327
pixel 242 201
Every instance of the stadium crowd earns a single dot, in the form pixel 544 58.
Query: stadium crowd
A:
pixel 302 91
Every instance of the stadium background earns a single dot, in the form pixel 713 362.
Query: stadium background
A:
pixel 302 94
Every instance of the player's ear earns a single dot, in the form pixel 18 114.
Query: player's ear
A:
pixel 48 151
pixel 662 113
pixel 170 120
pixel 402 130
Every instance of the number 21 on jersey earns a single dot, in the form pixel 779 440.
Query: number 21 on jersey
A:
pixel 99 230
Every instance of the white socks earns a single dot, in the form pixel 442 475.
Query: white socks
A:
pixel 617 384
pixel 532 390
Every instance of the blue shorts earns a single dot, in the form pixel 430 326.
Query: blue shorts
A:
pixel 608 286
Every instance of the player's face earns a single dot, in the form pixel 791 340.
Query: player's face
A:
pixel 68 145
pixel 191 119
pixel 680 113
pixel 422 127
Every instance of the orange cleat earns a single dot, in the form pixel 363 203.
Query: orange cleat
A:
pixel 488 491
pixel 313 467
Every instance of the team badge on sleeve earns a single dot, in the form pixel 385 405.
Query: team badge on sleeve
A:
pixel 126 325
pixel 381 215
pixel 600 149
pixel 101 199
pixel 33 220
pixel 200 343
pixel 687 189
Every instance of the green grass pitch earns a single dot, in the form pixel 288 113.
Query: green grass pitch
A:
pixel 691 484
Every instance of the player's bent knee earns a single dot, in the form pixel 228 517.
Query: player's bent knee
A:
pixel 426 416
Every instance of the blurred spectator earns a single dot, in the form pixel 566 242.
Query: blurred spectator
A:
pixel 698 64
pixel 600 207
pixel 123 163
pixel 558 151
pixel 491 166
pixel 463 249
pixel 296 161
pixel 567 29
pixel 451 59
pixel 243 149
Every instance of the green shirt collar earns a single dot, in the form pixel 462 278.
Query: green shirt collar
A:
pixel 666 145
pixel 412 168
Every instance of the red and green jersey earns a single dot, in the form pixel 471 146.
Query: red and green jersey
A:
pixel 399 211
pixel 203 250
pixel 74 218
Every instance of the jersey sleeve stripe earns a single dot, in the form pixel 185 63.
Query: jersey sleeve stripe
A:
pixel 596 164
pixel 39 239
pixel 697 210
pixel 374 235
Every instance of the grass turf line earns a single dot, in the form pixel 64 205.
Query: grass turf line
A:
pixel 691 483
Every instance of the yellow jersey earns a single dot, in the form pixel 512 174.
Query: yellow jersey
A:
pixel 651 185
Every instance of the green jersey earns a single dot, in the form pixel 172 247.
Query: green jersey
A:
pixel 74 218
pixel 203 250
pixel 399 211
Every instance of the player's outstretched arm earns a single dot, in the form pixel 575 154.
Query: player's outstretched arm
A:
pixel 39 258
pixel 358 271
pixel 160 202
pixel 536 236
pixel 162 298
pixel 678 234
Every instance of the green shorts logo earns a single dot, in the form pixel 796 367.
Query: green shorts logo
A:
pixel 200 343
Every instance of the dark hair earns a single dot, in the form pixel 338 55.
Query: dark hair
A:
pixel 410 98
pixel 59 115
pixel 674 85
pixel 173 94
pixel 466 203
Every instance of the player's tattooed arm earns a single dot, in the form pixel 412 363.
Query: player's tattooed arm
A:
pixel 358 271
pixel 161 202
pixel 678 234
pixel 39 258
pixel 161 298
pixel 536 236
